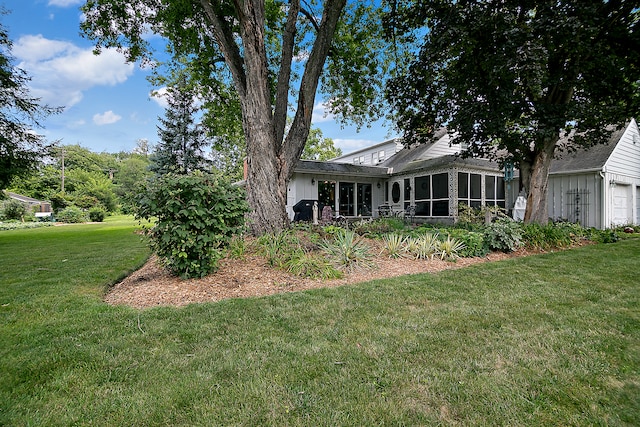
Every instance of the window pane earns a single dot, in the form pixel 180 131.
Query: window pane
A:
pixel 407 190
pixel 364 199
pixel 346 198
pixel 500 192
pixel 440 186
pixel 441 208
pixel 490 187
pixel 463 185
pixel 476 186
pixel 423 209
pixel 423 190
pixel 395 192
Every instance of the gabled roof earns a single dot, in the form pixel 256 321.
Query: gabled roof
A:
pixel 445 162
pixel 592 158
pixel 313 166
pixel 23 199
pixel 414 152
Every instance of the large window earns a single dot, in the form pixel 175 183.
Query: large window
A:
pixel 470 189
pixel 432 195
pixel 494 191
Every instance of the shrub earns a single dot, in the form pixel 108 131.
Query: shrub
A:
pixel 449 248
pixel 348 251
pixel 504 235
pixel 475 244
pixel 377 227
pixel 424 246
pixel 279 248
pixel 394 244
pixel 196 217
pixel 313 266
pixel 12 209
pixel 72 215
pixel 97 214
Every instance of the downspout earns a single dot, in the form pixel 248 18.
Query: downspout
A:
pixel 604 198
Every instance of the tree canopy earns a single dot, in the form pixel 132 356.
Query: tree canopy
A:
pixel 20 113
pixel 510 77
pixel 267 58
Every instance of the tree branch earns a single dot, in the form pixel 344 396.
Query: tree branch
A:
pixel 299 131
pixel 284 75
pixel 228 46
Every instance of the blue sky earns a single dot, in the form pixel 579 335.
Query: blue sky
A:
pixel 108 103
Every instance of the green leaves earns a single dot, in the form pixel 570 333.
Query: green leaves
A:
pixel 196 217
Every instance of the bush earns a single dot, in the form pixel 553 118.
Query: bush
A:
pixel 503 235
pixel 475 244
pixel 12 209
pixel 196 217
pixel 97 214
pixel 72 215
pixel 348 251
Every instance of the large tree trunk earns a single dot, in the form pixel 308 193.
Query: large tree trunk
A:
pixel 538 179
pixel 271 155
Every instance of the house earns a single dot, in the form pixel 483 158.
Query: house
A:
pixel 426 181
pixel 40 208
pixel 600 186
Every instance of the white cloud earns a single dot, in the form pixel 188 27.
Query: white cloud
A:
pixel 106 118
pixel 76 124
pixel 64 3
pixel 349 145
pixel 60 71
pixel 320 113
pixel 160 97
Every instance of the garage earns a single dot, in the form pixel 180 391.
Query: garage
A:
pixel 621 207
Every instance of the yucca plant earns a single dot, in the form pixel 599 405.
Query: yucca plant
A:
pixel 424 246
pixel 394 244
pixel 313 266
pixel 348 251
pixel 449 248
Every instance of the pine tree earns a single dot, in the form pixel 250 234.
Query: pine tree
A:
pixel 182 140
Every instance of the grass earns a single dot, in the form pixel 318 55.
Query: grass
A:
pixel 544 340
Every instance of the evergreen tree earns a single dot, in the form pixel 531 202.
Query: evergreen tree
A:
pixel 20 147
pixel 182 140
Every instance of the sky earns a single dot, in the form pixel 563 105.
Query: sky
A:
pixel 108 103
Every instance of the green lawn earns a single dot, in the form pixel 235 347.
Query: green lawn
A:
pixel 544 340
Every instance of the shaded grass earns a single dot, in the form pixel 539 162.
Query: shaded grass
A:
pixel 543 340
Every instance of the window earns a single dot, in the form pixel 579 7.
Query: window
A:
pixel 374 158
pixel 432 195
pixel 494 191
pixel 381 156
pixel 355 161
pixel 346 200
pixel 364 199
pixel 470 189
pixel 395 192
pixel 407 193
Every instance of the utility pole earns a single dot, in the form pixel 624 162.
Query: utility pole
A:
pixel 62 153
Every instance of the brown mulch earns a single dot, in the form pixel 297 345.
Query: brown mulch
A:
pixel 152 286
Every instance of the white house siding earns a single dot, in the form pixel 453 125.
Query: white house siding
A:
pixel 576 198
pixel 440 148
pixel 623 179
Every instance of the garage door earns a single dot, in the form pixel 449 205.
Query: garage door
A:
pixel 638 205
pixel 621 200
